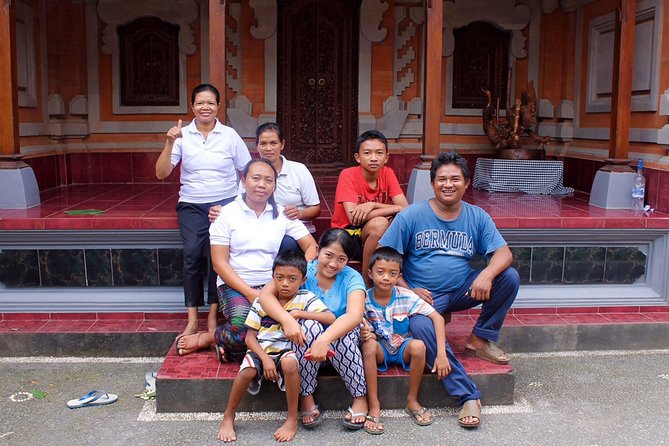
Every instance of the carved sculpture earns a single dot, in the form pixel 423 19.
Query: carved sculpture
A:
pixel 505 134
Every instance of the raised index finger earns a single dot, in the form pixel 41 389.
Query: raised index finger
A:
pixel 179 125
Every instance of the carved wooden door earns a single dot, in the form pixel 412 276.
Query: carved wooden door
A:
pixel 317 80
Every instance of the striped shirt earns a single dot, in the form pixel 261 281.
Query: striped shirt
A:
pixel 393 319
pixel 270 336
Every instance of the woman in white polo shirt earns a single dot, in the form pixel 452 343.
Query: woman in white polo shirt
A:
pixel 244 241
pixel 211 154
pixel 295 187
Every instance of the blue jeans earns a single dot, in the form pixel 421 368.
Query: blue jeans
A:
pixel 493 311
pixel 457 383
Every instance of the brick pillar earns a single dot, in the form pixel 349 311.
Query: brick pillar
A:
pixel 217 53
pixel 433 64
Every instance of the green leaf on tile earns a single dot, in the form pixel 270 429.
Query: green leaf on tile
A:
pixel 84 212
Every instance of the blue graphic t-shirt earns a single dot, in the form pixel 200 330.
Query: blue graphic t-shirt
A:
pixel 437 252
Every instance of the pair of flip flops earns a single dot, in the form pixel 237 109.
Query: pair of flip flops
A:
pixel 93 398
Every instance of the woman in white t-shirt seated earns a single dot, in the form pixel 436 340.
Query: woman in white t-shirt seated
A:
pixel 244 241
pixel 295 187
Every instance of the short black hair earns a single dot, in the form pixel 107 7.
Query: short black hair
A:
pixel 338 235
pixel 445 158
pixel 269 127
pixel 387 254
pixel 291 258
pixel 271 200
pixel 205 87
pixel 370 134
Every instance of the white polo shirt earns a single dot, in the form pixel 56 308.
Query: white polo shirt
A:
pixel 254 241
pixel 295 186
pixel 209 166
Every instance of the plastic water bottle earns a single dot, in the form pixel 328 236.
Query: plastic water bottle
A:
pixel 638 189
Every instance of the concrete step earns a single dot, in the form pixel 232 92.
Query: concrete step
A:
pixel 199 383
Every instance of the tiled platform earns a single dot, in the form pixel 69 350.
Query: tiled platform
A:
pixel 152 206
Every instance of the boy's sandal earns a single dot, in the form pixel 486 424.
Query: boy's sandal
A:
pixel 316 419
pixel 471 408
pixel 350 424
pixel 378 428
pixel 417 416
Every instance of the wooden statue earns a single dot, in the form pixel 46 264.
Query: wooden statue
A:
pixel 504 134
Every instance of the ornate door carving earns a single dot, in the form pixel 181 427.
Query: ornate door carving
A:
pixel 317 76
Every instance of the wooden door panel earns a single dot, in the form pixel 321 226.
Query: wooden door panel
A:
pixel 317 63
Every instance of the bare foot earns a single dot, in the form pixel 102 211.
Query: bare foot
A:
pixel 191 328
pixel 212 323
pixel 191 343
pixel 226 432
pixel 287 431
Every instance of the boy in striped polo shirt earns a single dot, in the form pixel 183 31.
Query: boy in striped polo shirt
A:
pixel 386 338
pixel 270 355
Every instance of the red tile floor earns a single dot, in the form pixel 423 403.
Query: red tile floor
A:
pixel 205 365
pixel 151 206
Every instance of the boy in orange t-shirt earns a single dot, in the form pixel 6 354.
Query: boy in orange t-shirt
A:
pixel 368 196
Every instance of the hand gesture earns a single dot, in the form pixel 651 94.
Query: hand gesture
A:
pixel 291 212
pixel 441 366
pixel 174 132
pixel 424 294
pixel 294 332
pixel 360 213
pixel 269 369
pixel 214 212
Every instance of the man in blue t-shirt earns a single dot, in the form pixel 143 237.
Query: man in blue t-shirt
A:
pixel 438 238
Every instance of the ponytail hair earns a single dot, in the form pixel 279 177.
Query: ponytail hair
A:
pixel 270 200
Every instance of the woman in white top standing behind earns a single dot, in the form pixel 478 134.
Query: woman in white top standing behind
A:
pixel 211 154
pixel 295 187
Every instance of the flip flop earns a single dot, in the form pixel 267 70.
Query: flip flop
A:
pixel 471 408
pixel 220 354
pixel 317 419
pixel 349 424
pixel 489 352
pixel 419 413
pixel 93 398
pixel 379 426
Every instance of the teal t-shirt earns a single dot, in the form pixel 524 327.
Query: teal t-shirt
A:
pixel 347 281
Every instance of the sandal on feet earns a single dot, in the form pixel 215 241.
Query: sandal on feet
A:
pixel 417 416
pixel 315 414
pixel 471 408
pixel 193 347
pixel 220 354
pixel 378 428
pixel 489 352
pixel 349 423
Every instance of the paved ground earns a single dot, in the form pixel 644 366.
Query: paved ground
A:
pixel 602 398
